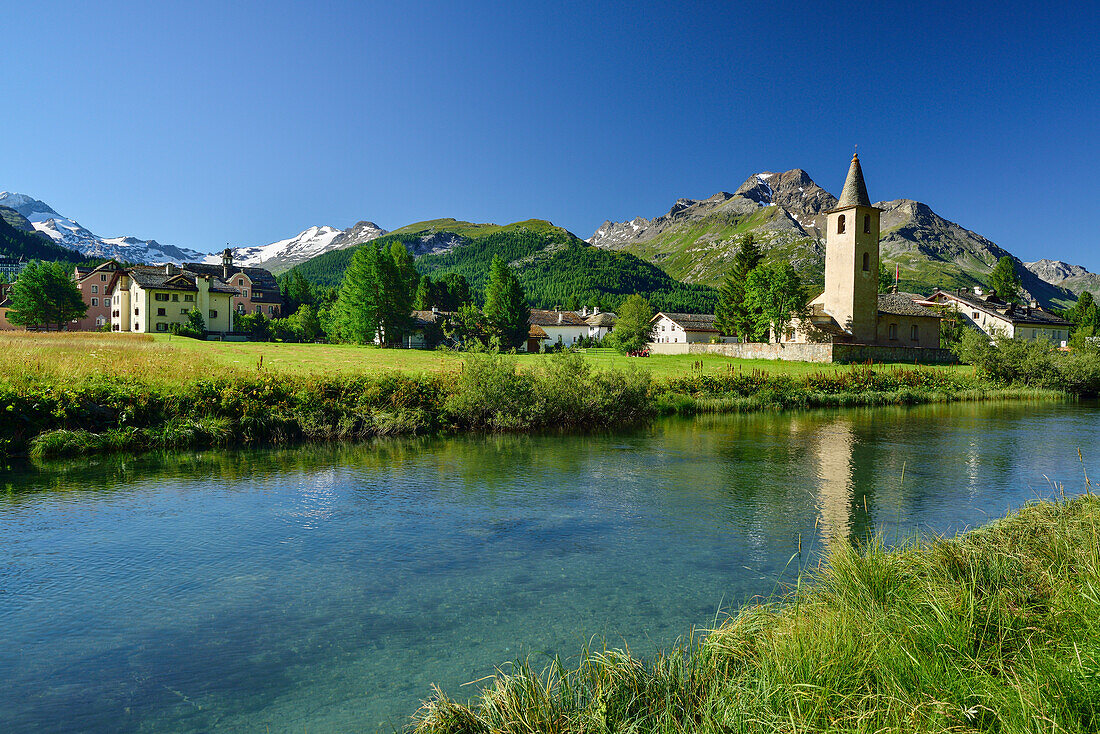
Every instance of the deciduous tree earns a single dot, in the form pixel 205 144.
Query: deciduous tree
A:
pixel 634 327
pixel 776 292
pixel 43 294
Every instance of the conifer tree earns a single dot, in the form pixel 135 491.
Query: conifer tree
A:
pixel 426 292
pixel 457 291
pixel 355 313
pixel 506 305
pixel 733 314
pixel 43 294
pixel 395 297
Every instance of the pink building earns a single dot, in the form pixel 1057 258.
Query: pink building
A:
pixel 95 286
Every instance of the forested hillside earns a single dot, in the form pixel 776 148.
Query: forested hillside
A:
pixel 554 266
pixel 28 245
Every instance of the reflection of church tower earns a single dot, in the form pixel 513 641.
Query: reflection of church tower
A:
pixel 851 259
pixel 832 448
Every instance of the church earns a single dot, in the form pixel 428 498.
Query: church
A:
pixel 851 310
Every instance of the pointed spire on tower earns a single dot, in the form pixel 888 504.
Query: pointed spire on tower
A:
pixel 855 191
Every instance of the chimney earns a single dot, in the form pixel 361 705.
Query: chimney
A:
pixel 595 310
pixel 227 263
pixel 560 316
pixel 434 310
pixel 977 290
pixel 584 312
pixel 169 269
pixel 1034 303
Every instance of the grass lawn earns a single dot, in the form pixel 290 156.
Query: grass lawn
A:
pixel 162 358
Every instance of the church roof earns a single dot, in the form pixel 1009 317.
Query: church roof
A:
pixel 903 304
pixel 855 191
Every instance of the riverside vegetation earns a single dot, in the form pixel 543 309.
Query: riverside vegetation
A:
pixel 997 630
pixel 84 402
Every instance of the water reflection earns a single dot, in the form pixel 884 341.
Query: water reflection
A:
pixel 327 587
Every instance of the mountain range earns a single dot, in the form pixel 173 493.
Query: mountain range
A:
pixel 694 242
pixel 785 212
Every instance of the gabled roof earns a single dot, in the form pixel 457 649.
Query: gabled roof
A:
pixel 157 277
pixel 601 319
pixel 1011 313
pixel 690 321
pixel 260 277
pixel 903 304
pixel 551 318
pixel 536 332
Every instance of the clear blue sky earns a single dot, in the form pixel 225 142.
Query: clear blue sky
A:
pixel 210 122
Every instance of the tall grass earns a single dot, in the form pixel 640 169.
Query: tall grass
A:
pixel 995 630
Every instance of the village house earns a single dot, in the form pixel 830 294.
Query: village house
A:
pixel 600 323
pixel 150 298
pixel 11 267
pixel 990 315
pixel 257 289
pixel 850 310
pixel 95 285
pixel 684 328
pixel 561 327
pixel 5 306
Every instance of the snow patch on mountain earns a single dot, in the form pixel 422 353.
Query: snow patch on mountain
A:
pixel 69 233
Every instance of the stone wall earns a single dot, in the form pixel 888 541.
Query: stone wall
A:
pixel 798 352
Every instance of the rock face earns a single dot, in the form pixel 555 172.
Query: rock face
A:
pixel 1062 274
pixel 785 213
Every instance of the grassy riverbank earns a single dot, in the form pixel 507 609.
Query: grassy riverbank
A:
pixel 66 395
pixel 997 630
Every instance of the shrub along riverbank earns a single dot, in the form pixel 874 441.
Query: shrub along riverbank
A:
pixel 46 418
pixel 997 630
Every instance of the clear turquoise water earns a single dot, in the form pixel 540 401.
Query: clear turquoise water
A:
pixel 326 589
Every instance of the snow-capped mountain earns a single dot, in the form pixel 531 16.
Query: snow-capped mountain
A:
pixel 69 233
pixel 285 254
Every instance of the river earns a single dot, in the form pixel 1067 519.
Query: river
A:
pixel 327 588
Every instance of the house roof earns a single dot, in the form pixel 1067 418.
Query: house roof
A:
pixel 260 277
pixel 155 276
pixel 903 304
pixel 536 332
pixel 551 318
pixel 691 321
pixel 1010 312
pixel 601 319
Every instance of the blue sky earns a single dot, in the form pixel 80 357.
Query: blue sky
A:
pixel 204 123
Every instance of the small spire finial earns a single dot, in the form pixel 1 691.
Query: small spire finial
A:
pixel 855 152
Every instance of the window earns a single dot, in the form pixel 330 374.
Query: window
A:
pixel 244 293
pixel 240 281
pixel 866 224
pixel 840 224
pixel 95 301
pixel 161 296
pixel 184 312
pixel 135 312
pixel 271 309
pixel 894 331
pixel 103 277
pixel 100 321
pixel 974 316
pixel 175 297
pixel 240 308
pixel 95 289
pixel 213 314
pixel 188 298
pixel 866 262
pixel 259 309
pixel 160 312
pixel 255 294
pixel 1034 333
pixel 161 326
pixel 914 333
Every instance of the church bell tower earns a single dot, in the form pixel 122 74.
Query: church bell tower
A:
pixel 851 259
